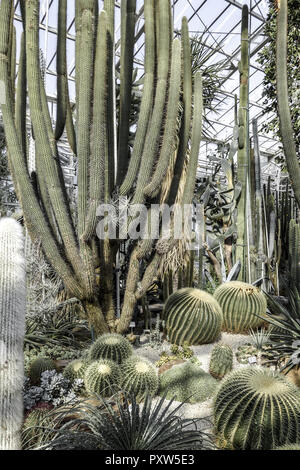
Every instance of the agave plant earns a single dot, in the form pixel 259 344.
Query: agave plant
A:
pixel 260 337
pixel 286 332
pixel 120 423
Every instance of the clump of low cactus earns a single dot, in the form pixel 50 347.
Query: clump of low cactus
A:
pixel 221 361
pixel 111 346
pixel 257 409
pixel 75 369
pixel 102 378
pixel 38 366
pixel 192 316
pixel 187 382
pixel 139 377
pixel 240 303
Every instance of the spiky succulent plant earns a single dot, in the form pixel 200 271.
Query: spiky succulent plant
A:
pixel 139 377
pixel 38 366
pixel 192 316
pixel 257 409
pixel 76 369
pixel 35 426
pixel 102 378
pixel 221 361
pixel 240 303
pixel 111 346
pixel 187 382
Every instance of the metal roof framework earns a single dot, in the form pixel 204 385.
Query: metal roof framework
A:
pixel 220 23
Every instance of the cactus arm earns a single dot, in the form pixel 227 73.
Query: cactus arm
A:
pixel 61 69
pixel 187 111
pixel 13 62
pixel 169 139
pixel 20 114
pixel 286 128
pixel 99 128
pixel 70 127
pixel 109 7
pixel 242 159
pixel 154 129
pixel 12 330
pixel 126 68
pixel 195 141
pixel 147 100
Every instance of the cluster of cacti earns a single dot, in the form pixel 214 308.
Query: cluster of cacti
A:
pixel 111 346
pixel 256 408
pixel 221 361
pixel 294 252
pixel 155 166
pixel 240 303
pixel 102 378
pixel 192 316
pixel 12 330
pixel 187 382
pixel 76 369
pixel 139 377
pixel 38 366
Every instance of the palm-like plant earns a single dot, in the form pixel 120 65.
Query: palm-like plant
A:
pixel 121 423
pixel 286 337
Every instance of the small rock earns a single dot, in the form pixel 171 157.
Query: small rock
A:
pixel 144 339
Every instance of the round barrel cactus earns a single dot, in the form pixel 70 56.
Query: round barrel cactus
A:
pixel 187 383
pixel 75 369
pixel 192 316
pixel 240 303
pixel 288 447
pixel 102 378
pixel 221 361
pixel 36 427
pixel 139 377
pixel 38 366
pixel 257 409
pixel 111 346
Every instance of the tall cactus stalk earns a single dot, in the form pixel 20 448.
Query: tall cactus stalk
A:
pixel 12 330
pixel 146 173
pixel 243 157
pixel 285 121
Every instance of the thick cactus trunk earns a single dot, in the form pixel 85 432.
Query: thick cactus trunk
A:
pixel 12 330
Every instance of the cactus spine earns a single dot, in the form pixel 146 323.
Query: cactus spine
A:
pixel 111 346
pixel 139 377
pixel 240 303
pixel 257 409
pixel 102 378
pixel 285 121
pixel 192 316
pixel 12 330
pixel 221 361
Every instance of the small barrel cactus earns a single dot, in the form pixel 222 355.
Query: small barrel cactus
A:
pixel 187 383
pixel 192 316
pixel 102 378
pixel 12 329
pixel 38 366
pixel 139 377
pixel 221 361
pixel 75 369
pixel 257 409
pixel 111 346
pixel 240 303
pixel 35 430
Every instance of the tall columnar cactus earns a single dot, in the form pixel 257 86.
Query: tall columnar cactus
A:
pixel 221 361
pixel 111 346
pixel 192 316
pixel 285 121
pixel 240 303
pixel 151 171
pixel 243 140
pixel 257 409
pixel 102 378
pixel 139 377
pixel 12 330
pixel 294 252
